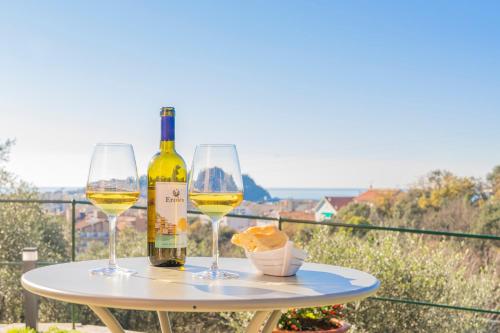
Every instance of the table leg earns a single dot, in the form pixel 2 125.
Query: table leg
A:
pixel 108 319
pixel 272 321
pixel 258 319
pixel 164 322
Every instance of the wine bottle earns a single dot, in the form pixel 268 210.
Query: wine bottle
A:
pixel 167 199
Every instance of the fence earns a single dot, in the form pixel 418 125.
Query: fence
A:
pixel 282 221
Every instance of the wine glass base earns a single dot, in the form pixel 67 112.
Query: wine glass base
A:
pixel 112 271
pixel 215 274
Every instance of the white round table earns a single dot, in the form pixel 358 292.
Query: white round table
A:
pixel 174 289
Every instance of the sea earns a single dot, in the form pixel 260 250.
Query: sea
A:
pixel 313 193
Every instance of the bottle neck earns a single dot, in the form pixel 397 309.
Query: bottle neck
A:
pixel 167 146
pixel 167 143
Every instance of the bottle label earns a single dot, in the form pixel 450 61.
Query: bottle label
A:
pixel 171 241
pixel 171 215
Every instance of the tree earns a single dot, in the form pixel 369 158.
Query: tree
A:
pixel 354 209
pixel 406 211
pixel 5 177
pixel 24 225
pixel 489 219
pixel 493 179
pixel 355 213
pixel 440 186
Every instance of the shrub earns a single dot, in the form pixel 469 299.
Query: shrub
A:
pixel 22 226
pixel 355 213
pixel 409 268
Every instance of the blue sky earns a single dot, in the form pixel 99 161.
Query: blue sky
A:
pixel 314 93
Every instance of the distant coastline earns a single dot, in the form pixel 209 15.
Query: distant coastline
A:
pixel 44 189
pixel 313 193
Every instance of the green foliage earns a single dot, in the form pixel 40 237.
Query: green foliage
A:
pixel 200 240
pixel 21 227
pixel 25 225
pixel 440 186
pixel 439 201
pixel 5 150
pixel 129 243
pixel 487 222
pixel 443 201
pixel 6 178
pixel 354 209
pixel 355 213
pixel 490 219
pixel 493 179
pixel 410 268
pixel 299 233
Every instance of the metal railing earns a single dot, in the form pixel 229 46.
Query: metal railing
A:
pixel 282 221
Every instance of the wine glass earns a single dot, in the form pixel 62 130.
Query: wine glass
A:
pixel 215 188
pixel 113 186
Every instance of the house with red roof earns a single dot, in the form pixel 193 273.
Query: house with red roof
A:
pixel 329 206
pixel 376 197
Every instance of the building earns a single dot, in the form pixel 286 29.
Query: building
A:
pixel 92 224
pixel 253 209
pixel 290 205
pixel 237 223
pixel 377 197
pixel 329 206
pixel 298 215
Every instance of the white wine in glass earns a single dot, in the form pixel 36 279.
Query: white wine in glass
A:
pixel 215 188
pixel 113 186
pixel 216 205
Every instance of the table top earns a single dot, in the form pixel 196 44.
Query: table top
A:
pixel 174 289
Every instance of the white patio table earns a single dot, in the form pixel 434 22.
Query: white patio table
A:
pixel 174 289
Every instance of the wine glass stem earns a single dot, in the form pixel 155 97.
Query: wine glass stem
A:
pixel 215 245
pixel 112 241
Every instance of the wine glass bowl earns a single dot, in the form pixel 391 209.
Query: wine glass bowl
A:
pixel 215 188
pixel 113 187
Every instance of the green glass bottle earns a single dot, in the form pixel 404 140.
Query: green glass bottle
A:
pixel 167 199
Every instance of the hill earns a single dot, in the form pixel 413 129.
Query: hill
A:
pixel 254 192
